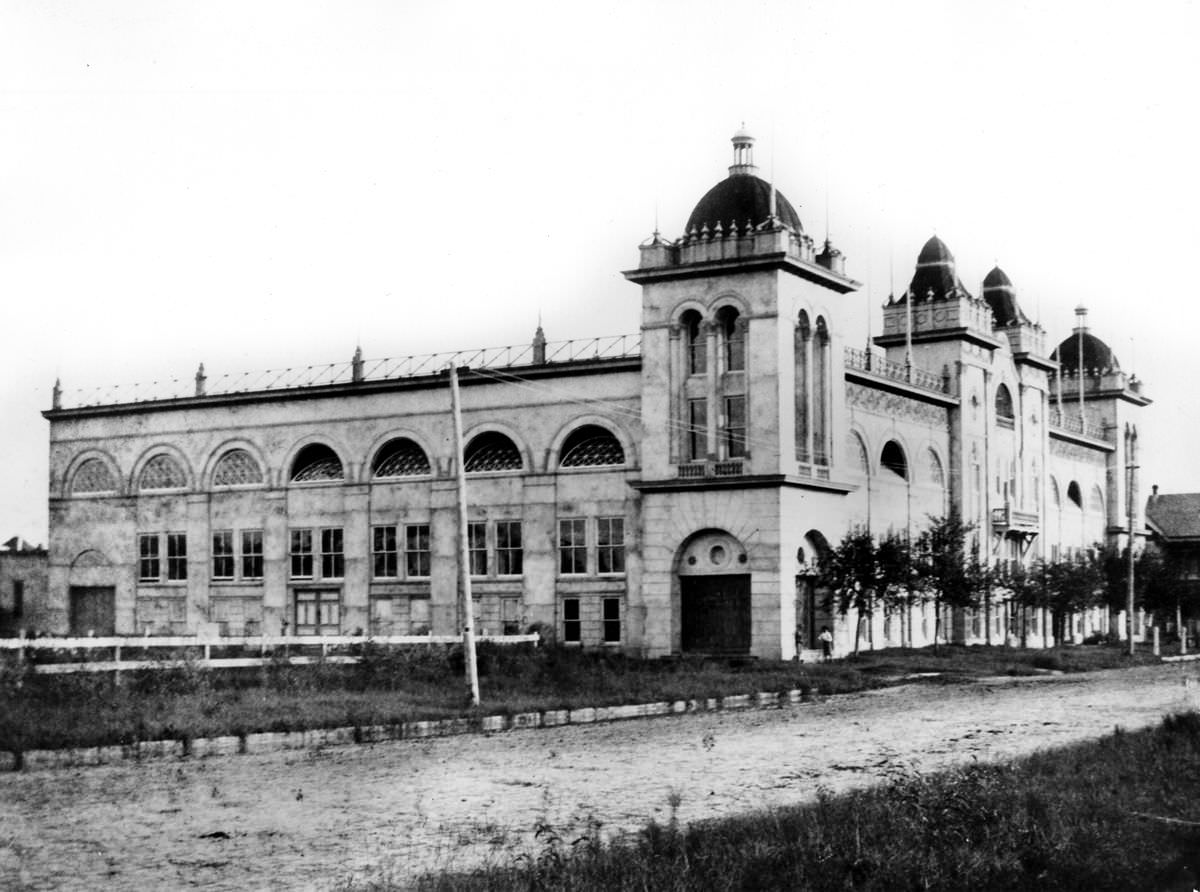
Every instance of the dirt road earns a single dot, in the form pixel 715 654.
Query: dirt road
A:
pixel 311 820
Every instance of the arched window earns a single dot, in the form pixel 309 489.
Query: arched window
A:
pixel 1004 404
pixel 1096 503
pixel 856 453
pixel 694 339
pixel 400 457
pixel 93 476
pixel 803 346
pixel 491 451
pixel 821 396
pixel 733 339
pixel 591 446
pixel 1055 495
pixel 937 475
pixel 317 463
pixel 1075 494
pixel 161 472
pixel 893 459
pixel 237 467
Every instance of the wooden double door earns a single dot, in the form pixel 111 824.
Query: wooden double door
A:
pixel 715 614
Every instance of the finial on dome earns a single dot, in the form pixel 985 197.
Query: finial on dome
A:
pixel 743 153
pixel 1081 317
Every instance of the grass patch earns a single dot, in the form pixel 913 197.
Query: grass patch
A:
pixel 1122 813
pixel 412 684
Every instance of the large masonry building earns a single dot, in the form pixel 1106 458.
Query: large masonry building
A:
pixel 669 492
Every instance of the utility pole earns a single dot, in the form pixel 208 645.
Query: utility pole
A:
pixel 1131 515
pixel 464 553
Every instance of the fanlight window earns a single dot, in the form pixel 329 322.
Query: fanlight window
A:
pixel 400 458
pixel 237 467
pixel 491 451
pixel 591 446
pixel 162 472
pixel 893 459
pixel 93 476
pixel 315 463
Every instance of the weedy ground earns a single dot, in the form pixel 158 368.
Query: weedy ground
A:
pixel 1121 813
pixel 410 684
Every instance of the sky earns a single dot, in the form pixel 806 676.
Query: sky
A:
pixel 258 185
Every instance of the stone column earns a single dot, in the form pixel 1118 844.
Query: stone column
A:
pixel 276 606
pixel 356 545
pixel 199 561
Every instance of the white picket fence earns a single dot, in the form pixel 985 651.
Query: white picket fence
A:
pixel 105 654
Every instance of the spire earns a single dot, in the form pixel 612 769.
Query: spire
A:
pixel 356 364
pixel 539 343
pixel 201 381
pixel 56 395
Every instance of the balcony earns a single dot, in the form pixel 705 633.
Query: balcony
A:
pixel 1009 520
pixel 733 467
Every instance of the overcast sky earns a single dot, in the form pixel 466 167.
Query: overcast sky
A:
pixel 254 185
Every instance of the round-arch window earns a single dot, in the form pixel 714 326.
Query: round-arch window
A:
pixel 237 467
pixel 1004 404
pixel 591 446
pixel 400 458
pixel 893 459
pixel 162 472
pixel 317 462
pixel 491 451
pixel 1074 494
pixel 93 476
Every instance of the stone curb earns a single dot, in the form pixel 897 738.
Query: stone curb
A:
pixel 270 742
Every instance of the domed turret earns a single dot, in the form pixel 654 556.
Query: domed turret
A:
pixel 935 277
pixel 1097 355
pixel 742 198
pixel 998 291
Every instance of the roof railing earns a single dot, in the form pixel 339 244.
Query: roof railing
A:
pixel 388 369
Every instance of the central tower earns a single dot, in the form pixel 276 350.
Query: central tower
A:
pixel 741 395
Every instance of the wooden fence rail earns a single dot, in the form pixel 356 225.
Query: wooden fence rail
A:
pixel 54 655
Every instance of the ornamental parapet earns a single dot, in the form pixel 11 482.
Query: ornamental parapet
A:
pixel 1071 423
pixel 878 366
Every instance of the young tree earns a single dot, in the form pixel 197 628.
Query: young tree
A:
pixel 861 574
pixel 1072 586
pixel 945 568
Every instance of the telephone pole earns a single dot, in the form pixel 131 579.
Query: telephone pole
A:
pixel 1131 468
pixel 464 553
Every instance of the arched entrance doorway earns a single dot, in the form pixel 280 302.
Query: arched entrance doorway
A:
pixel 810 597
pixel 714 594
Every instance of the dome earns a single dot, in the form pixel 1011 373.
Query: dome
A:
pixel 935 251
pixel 935 273
pixel 1096 354
pixel 998 291
pixel 740 198
pixel 997 278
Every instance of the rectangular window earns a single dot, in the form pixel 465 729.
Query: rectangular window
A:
pixel 148 563
pixel 416 549
pixel 510 616
pixel 302 554
pixel 222 554
pixel 18 598
pixel 611 614
pixel 697 431
pixel 509 556
pixel 572 546
pixel 477 547
pixel 572 627
pixel 735 426
pixel 610 545
pixel 177 556
pixel 252 554
pixel 333 562
pixel 384 556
